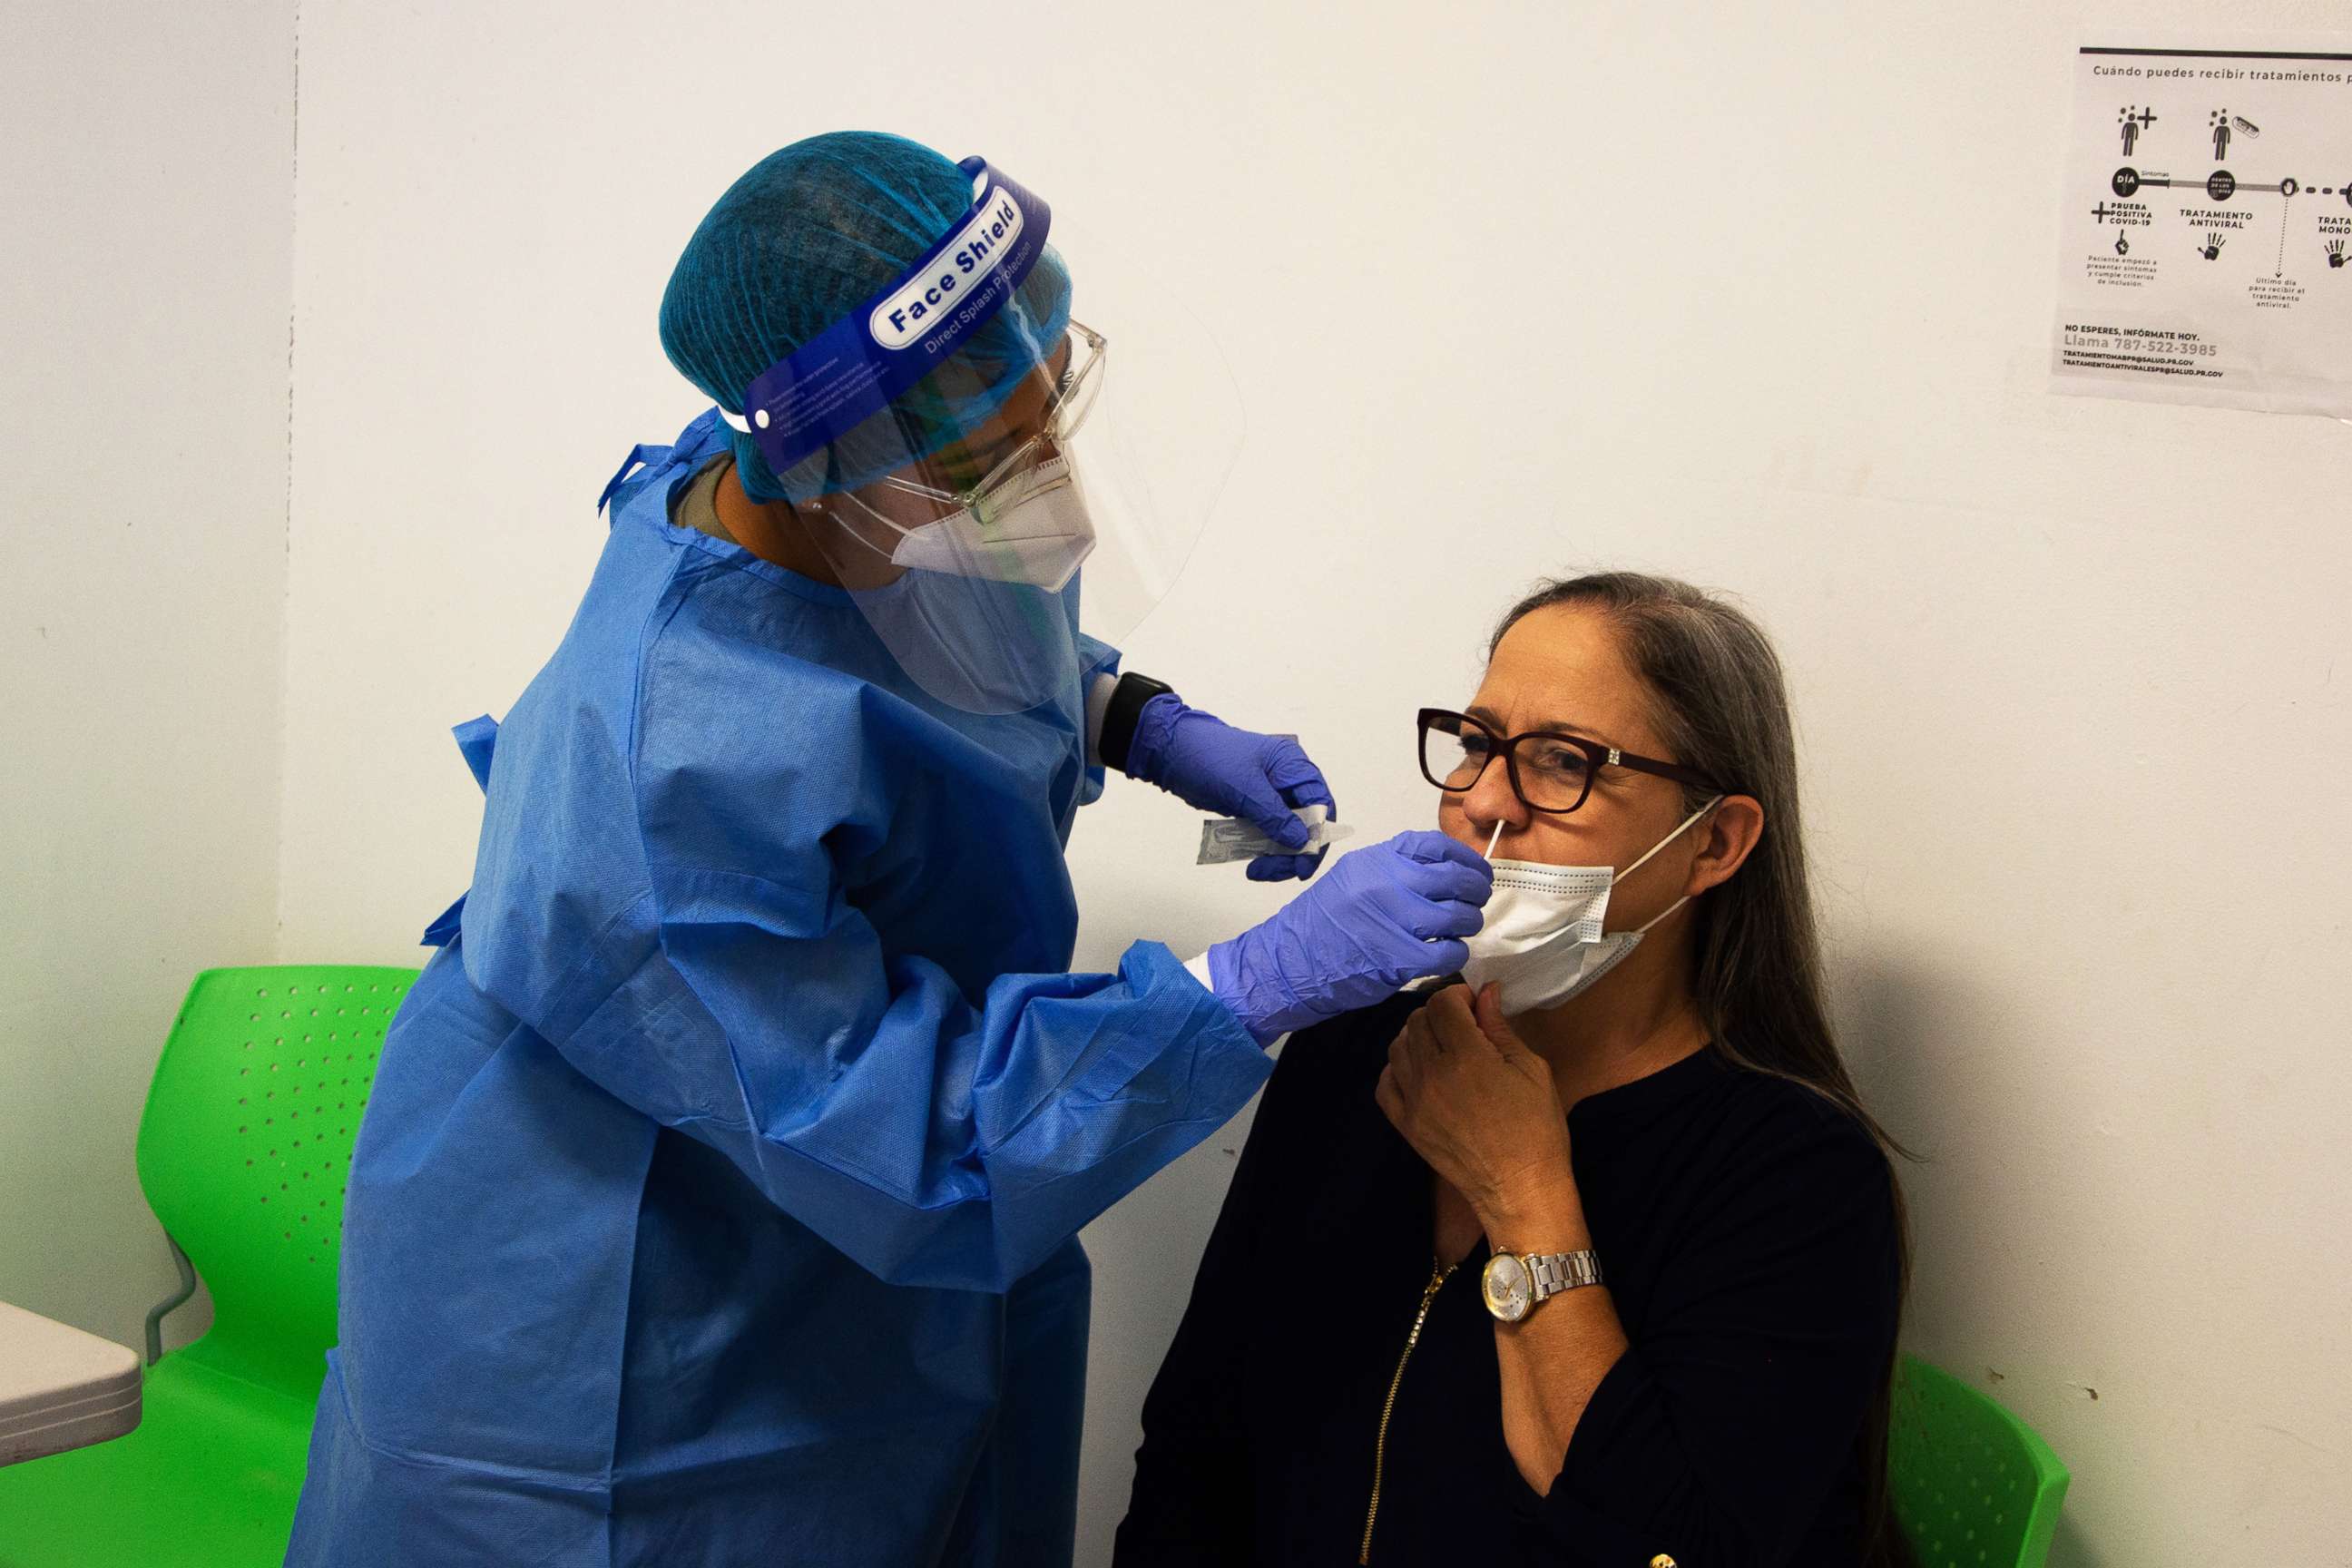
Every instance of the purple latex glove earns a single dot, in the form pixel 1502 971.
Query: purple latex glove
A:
pixel 1388 914
pixel 1204 762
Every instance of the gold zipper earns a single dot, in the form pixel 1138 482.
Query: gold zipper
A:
pixel 1438 1273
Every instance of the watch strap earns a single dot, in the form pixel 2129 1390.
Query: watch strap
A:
pixel 1127 700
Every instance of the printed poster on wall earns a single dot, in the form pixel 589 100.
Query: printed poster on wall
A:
pixel 2205 247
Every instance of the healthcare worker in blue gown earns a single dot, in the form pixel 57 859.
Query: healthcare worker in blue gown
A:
pixel 718 1198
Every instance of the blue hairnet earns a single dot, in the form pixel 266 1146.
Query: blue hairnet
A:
pixel 806 238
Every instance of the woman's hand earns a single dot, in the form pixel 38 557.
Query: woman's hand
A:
pixel 1482 1110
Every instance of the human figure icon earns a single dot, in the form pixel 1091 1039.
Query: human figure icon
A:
pixel 2131 130
pixel 2221 134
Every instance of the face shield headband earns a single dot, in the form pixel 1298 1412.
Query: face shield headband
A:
pixel 857 366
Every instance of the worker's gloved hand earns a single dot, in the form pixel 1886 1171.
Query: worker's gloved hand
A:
pixel 1388 914
pixel 1204 762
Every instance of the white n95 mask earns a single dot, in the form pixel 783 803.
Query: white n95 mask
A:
pixel 1543 939
pixel 1038 534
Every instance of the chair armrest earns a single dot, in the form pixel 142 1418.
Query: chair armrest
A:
pixel 169 1304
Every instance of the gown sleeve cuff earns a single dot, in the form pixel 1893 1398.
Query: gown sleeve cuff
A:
pixel 1098 679
pixel 1098 692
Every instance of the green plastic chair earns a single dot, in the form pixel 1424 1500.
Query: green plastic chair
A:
pixel 242 1153
pixel 1971 1485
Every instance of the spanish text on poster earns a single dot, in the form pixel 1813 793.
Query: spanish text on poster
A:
pixel 2205 247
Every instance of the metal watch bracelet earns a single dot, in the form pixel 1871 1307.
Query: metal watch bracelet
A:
pixel 1550 1273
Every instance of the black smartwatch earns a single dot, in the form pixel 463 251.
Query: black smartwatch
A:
pixel 1126 711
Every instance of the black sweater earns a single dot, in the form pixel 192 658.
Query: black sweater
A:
pixel 1746 1229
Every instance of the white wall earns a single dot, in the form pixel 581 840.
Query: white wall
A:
pixel 1753 294
pixel 146 165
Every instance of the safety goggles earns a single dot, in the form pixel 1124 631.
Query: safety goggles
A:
pixel 1009 474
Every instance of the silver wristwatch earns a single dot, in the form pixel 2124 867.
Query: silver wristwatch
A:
pixel 1514 1282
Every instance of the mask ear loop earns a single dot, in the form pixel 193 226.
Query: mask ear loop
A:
pixel 1644 860
pixel 1643 928
pixel 904 532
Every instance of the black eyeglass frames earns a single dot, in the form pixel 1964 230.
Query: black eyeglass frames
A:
pixel 1549 771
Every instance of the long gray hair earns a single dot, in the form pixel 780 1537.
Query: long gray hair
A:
pixel 1721 706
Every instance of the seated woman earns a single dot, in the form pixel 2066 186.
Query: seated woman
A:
pixel 1596 1260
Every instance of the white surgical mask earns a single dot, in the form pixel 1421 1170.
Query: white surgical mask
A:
pixel 1039 536
pixel 1543 939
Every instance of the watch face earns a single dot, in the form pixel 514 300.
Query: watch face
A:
pixel 1508 1291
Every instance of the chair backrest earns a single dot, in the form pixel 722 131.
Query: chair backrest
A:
pixel 244 1148
pixel 1971 1485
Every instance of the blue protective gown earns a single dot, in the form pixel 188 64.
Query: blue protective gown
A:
pixel 716 1201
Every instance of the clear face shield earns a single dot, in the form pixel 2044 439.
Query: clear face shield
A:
pixel 978 480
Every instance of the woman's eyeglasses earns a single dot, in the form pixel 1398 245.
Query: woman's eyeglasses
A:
pixel 1549 772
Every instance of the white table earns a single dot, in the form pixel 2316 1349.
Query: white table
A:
pixel 60 1388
